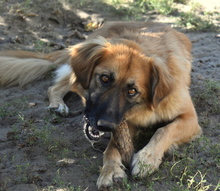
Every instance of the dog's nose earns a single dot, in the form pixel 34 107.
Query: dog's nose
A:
pixel 105 126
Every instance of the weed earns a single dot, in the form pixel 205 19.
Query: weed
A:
pixel 23 8
pixel 58 179
pixel 197 18
pixel 207 96
pixel 56 146
pixel 128 8
pixel 28 3
pixel 12 107
pixel 126 185
pixel 212 150
pixel 188 168
pixel 42 46
pixel 161 6
pixel 22 171
pixel 145 168
pixel 193 21
pixel 63 188
pixel 135 8
pixel 188 178
pixel 194 167
pixel 197 185
pixel 182 1
pixel 4 112
pixel 59 182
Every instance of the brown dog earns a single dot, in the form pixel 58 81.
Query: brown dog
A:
pixel 132 71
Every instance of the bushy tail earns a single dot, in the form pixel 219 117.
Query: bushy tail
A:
pixel 22 67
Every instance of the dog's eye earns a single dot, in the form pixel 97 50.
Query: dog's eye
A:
pixel 132 92
pixel 104 78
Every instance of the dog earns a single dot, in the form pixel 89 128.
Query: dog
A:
pixel 138 72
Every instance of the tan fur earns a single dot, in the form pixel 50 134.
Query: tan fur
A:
pixel 155 56
pixel 22 67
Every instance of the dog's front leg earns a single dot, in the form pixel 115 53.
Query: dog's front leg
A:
pixel 113 169
pixel 56 94
pixel 181 130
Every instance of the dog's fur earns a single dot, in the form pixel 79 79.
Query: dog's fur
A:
pixel 133 71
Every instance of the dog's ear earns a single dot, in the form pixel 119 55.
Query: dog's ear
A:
pixel 84 57
pixel 161 83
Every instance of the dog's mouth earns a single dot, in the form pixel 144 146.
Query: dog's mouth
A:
pixel 92 133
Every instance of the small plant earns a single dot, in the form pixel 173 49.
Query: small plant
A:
pixel 55 146
pixel 197 182
pixel 126 185
pixel 22 171
pixel 161 6
pixel 182 1
pixel 12 107
pixel 42 46
pixel 193 21
pixel 4 112
pixel 129 8
pixel 188 178
pixel 28 3
pixel 197 18
pixel 135 8
pixel 207 96
pixel 60 184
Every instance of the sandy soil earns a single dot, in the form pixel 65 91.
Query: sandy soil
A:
pixel 42 151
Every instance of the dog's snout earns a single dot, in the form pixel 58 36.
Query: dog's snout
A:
pixel 105 126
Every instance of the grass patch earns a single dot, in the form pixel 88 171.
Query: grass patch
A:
pixel 42 46
pixel 182 1
pixel 197 19
pixel 139 7
pixel 22 171
pixel 206 97
pixel 27 132
pixel 188 168
pixel 163 7
pixel 195 22
pixel 13 108
pixel 4 112
pixel 59 183
pixel 65 188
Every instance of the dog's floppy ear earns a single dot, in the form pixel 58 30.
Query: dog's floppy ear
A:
pixel 161 83
pixel 84 57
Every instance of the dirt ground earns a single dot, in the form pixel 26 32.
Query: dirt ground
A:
pixel 42 151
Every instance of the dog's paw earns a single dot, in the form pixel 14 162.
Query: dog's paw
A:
pixel 111 172
pixel 146 161
pixel 60 108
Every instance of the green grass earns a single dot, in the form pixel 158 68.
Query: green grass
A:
pixel 136 8
pixel 195 22
pixel 8 109
pixel 42 46
pixel 27 131
pixel 163 7
pixel 207 97
pixel 197 19
pixel 4 112
pixel 63 188
pixel 22 172
pixel 186 169
pixel 56 146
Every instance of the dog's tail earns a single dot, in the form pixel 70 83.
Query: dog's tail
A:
pixel 22 67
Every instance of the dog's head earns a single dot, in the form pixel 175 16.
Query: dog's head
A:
pixel 116 77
